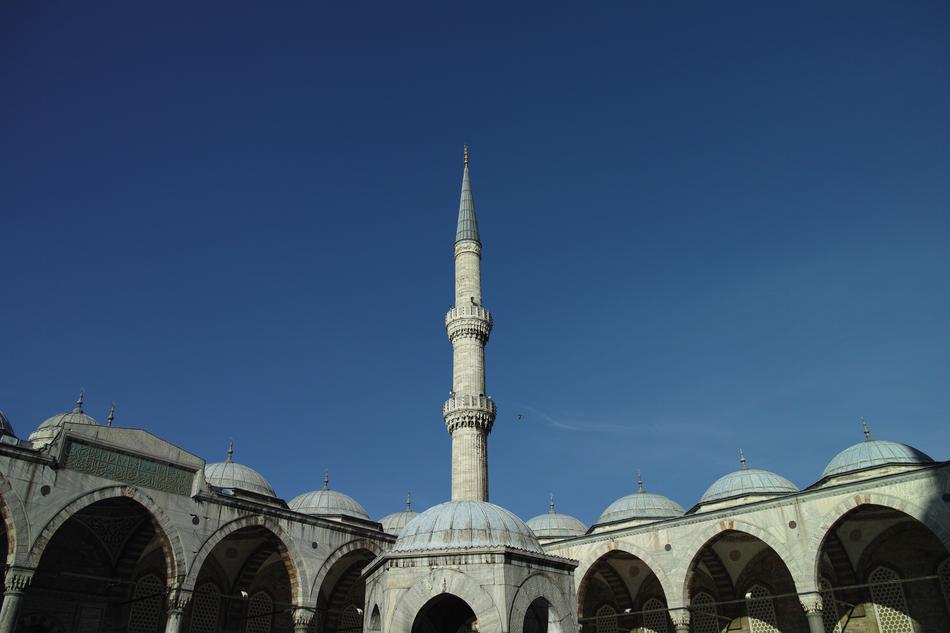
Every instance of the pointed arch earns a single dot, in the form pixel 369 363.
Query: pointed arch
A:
pixel 540 586
pixel 446 581
pixel 166 530
pixel 17 526
pixel 592 556
pixel 287 548
pixel 347 548
pixel 939 525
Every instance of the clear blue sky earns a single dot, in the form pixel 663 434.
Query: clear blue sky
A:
pixel 706 226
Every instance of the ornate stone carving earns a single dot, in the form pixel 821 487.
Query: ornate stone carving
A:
pixel 468 246
pixel 811 603
pixel 469 411
pixel 130 469
pixel 178 598
pixel 680 617
pixel 110 530
pixel 303 617
pixel 468 322
pixel 17 579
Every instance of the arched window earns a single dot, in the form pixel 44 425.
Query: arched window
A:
pixel 260 613
pixel 944 573
pixel 374 620
pixel 890 607
pixel 606 619
pixel 204 609
pixel 761 611
pixel 655 618
pixel 703 616
pixel 351 621
pixel 146 611
pixel 829 607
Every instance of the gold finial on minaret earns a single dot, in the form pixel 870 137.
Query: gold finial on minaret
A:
pixel 465 155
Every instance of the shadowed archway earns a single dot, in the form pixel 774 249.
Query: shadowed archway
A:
pixel 445 613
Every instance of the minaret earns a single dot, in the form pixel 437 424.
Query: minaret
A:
pixel 468 412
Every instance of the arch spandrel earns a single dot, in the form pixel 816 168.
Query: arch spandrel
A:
pixel 289 553
pixel 652 560
pixel 703 534
pixel 169 537
pixel 939 525
pixel 540 586
pixel 448 581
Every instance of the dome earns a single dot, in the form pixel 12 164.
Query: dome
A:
pixel 228 474
pixel 871 453
pixel 747 481
pixel 395 522
pixel 326 502
pixel 457 525
pixel 553 525
pixel 48 430
pixel 641 506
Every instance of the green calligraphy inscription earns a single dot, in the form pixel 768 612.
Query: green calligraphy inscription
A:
pixel 129 469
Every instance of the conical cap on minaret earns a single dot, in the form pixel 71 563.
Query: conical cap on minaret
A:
pixel 468 225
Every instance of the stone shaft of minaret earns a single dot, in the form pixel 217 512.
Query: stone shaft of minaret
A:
pixel 469 413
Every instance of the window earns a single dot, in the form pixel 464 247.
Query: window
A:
pixel 703 615
pixel 147 599
pixel 890 607
pixel 351 621
pixel 606 619
pixel 655 621
pixel 829 608
pixel 204 609
pixel 761 610
pixel 260 613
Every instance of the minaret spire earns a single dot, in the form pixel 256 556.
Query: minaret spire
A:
pixel 469 413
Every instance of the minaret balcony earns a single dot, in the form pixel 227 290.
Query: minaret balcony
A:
pixel 464 410
pixel 469 322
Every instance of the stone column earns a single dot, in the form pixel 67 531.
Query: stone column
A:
pixel 680 619
pixel 17 580
pixel 177 601
pixel 302 619
pixel 811 604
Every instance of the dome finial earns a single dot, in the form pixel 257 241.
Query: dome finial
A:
pixel 326 479
pixel 111 414
pixel 867 431
pixel 551 504
pixel 408 501
pixel 465 155
pixel 230 449
pixel 639 482
pixel 79 400
pixel 742 462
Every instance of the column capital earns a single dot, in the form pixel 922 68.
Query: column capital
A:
pixel 811 602
pixel 680 617
pixel 17 578
pixel 178 598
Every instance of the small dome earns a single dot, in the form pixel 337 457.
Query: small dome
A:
pixel 747 481
pixel 641 506
pixel 872 453
pixel 326 502
pixel 465 525
pixel 228 474
pixel 48 430
pixel 395 522
pixel 553 525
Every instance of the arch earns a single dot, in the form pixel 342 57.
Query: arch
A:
pixel 937 525
pixel 445 581
pixel 167 532
pixel 14 518
pixel 540 586
pixel 706 534
pixel 347 548
pixel 593 556
pixel 374 619
pixel 287 548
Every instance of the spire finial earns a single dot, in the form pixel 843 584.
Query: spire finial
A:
pixel 111 414
pixel 551 504
pixel 742 463
pixel 79 400
pixel 867 431
pixel 230 449
pixel 326 479
pixel 408 501
pixel 639 481
pixel 465 155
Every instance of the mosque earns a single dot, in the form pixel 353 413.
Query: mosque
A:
pixel 110 529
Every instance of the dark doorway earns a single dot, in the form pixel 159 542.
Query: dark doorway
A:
pixel 445 613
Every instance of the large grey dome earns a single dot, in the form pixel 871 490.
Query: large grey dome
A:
pixel 326 502
pixel 466 525
pixel 748 481
pixel 231 475
pixel 873 453
pixel 554 525
pixel 50 428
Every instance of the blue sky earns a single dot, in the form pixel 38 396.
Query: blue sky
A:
pixel 705 227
